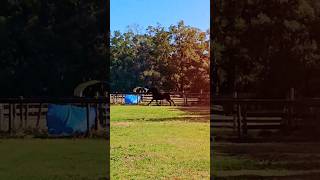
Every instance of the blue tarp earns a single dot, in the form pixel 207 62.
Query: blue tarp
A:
pixel 68 119
pixel 131 99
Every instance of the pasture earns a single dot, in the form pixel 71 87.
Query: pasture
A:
pixel 273 148
pixel 266 160
pixel 159 142
pixel 53 159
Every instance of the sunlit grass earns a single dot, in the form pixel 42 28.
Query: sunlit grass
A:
pixel 143 149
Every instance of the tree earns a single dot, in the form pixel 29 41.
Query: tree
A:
pixel 165 58
pixel 266 47
pixel 48 47
pixel 191 55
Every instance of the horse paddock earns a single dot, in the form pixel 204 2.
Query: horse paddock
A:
pixel 266 160
pixel 159 142
pixel 53 159
pixel 254 140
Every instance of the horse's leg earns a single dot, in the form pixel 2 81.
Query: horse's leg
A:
pixel 168 99
pixel 157 102
pixel 173 102
pixel 150 101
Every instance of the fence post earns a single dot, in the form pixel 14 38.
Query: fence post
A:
pixel 292 96
pixel 21 116
pixel 10 119
pixel 39 116
pixel 97 120
pixel 244 120
pixel 201 96
pixel 234 113
pixel 14 117
pixel 26 116
pixel 186 98
pixel 291 107
pixel 239 119
pixel 88 116
pixel 137 96
pixel 1 116
pixel 238 111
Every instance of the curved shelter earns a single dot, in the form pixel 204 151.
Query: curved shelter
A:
pixel 80 89
pixel 140 90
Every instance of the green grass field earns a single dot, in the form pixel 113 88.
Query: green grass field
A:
pixel 266 160
pixel 146 143
pixel 154 142
pixel 52 159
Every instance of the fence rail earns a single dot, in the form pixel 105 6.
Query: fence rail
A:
pixel 23 113
pixel 182 99
pixel 243 114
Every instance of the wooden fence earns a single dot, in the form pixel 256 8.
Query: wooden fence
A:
pixel 242 114
pixel 30 113
pixel 180 99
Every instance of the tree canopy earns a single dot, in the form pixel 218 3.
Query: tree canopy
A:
pixel 47 47
pixel 172 59
pixel 267 47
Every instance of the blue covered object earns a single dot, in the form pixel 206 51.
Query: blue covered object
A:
pixel 68 119
pixel 131 99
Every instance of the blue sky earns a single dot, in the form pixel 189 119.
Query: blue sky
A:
pixel 143 13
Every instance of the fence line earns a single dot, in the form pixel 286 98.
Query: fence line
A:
pixel 243 114
pixel 183 99
pixel 20 112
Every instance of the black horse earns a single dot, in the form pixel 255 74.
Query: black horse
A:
pixel 156 95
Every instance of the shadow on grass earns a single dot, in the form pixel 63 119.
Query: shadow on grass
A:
pixel 267 160
pixel 182 118
pixel 186 114
pixel 309 176
pixel 198 110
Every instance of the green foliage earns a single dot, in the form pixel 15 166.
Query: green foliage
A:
pixel 48 47
pixel 267 47
pixel 170 59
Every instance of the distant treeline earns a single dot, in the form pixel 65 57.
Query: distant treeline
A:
pixel 171 59
pixel 48 47
pixel 266 47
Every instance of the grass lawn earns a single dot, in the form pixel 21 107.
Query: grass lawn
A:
pixel 146 143
pixel 156 142
pixel 266 160
pixel 52 159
